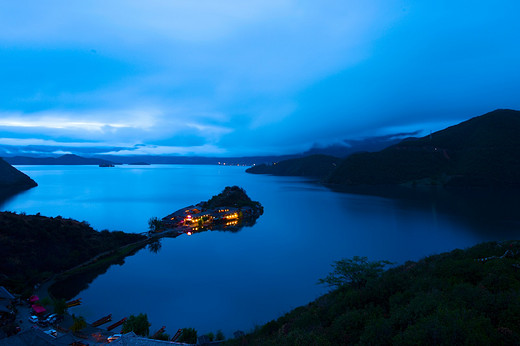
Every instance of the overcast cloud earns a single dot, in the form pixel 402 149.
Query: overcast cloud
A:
pixel 245 78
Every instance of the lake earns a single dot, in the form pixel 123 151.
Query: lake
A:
pixel 235 281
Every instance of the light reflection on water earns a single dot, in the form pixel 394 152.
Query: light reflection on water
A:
pixel 220 280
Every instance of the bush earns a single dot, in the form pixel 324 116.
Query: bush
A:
pixel 449 327
pixel 189 335
pixel 220 336
pixel 78 323
pixel 138 324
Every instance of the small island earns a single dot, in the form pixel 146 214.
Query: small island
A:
pixel 230 210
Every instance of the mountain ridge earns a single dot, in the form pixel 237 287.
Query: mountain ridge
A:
pixel 481 151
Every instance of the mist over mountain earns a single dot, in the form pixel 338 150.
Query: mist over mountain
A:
pixel 350 146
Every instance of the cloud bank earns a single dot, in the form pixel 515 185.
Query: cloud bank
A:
pixel 235 78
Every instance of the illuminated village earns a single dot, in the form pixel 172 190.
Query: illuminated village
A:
pixel 230 210
pixel 195 218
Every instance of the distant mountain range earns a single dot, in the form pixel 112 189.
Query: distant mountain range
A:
pixel 482 151
pixel 341 149
pixel 68 159
pixel 71 159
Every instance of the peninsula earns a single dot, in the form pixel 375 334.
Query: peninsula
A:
pixel 12 178
pixel 230 210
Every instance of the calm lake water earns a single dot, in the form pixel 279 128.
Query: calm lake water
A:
pixel 234 281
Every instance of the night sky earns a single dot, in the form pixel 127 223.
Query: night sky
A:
pixel 234 78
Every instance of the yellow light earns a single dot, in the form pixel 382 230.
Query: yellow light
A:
pixel 189 233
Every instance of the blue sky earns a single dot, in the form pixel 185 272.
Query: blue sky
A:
pixel 233 78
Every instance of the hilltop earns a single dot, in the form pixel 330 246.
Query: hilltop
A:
pixel 11 178
pixel 231 196
pixel 482 151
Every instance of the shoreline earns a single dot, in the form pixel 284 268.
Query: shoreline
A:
pixel 106 258
pixel 44 290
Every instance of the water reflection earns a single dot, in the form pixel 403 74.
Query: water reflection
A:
pixel 7 193
pixel 232 226
pixel 197 219
pixel 230 220
pixel 155 246
pixel 489 213
pixel 69 285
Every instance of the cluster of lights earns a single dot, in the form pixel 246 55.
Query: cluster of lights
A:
pixel 230 164
pixel 231 216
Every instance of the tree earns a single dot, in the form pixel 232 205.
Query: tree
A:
pixel 78 324
pixel 353 272
pixel 220 336
pixel 162 336
pixel 45 301
pixel 189 335
pixel 155 224
pixel 60 306
pixel 138 324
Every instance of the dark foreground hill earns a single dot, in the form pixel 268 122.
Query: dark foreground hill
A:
pixel 310 166
pixel 464 297
pixel 483 151
pixel 35 247
pixel 11 178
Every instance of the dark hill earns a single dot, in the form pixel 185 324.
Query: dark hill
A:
pixel 309 166
pixel 11 178
pixel 482 151
pixel 35 247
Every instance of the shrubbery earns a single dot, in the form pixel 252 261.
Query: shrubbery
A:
pixel 453 298
pixel 35 247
